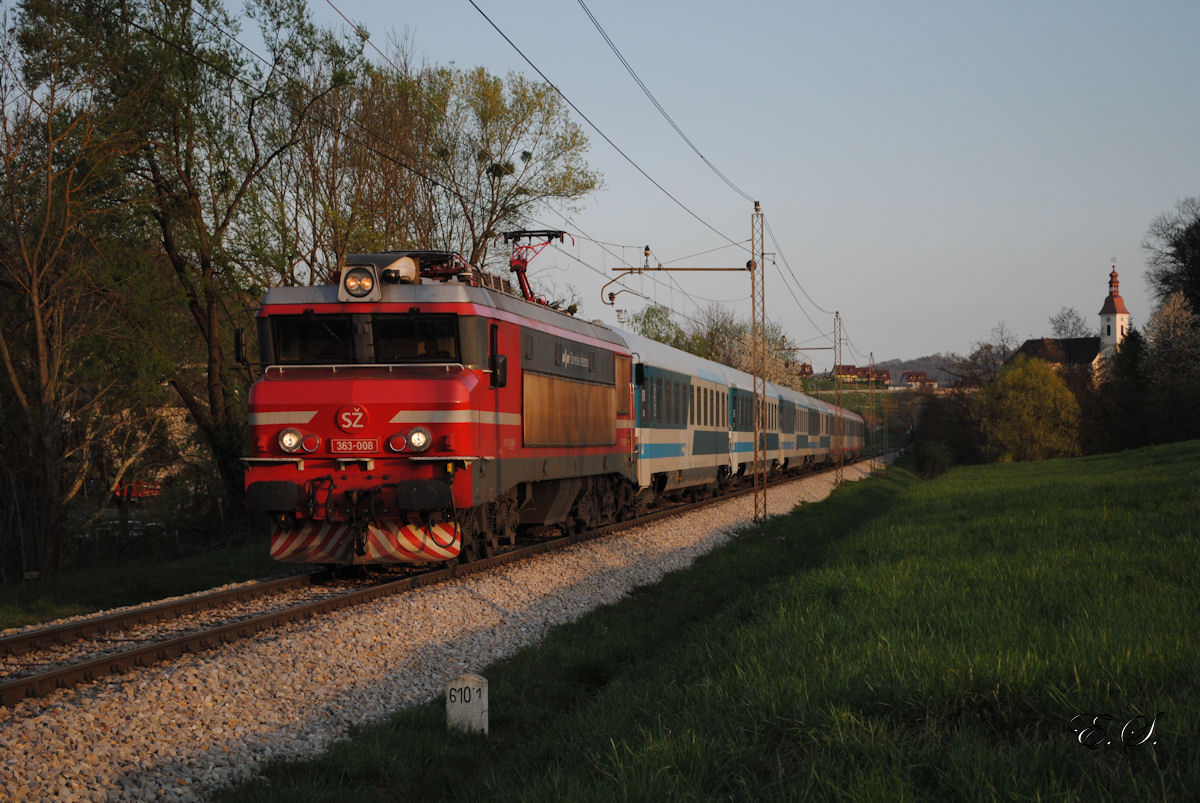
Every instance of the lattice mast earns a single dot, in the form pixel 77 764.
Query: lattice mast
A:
pixel 869 425
pixel 759 345
pixel 839 423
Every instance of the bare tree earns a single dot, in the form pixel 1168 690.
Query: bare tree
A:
pixel 1068 323
pixel 1173 242
pixel 986 359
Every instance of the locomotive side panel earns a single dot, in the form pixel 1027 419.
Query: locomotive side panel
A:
pixel 569 393
pixel 567 412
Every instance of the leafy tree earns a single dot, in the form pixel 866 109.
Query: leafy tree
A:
pixel 1173 241
pixel 1068 323
pixel 946 432
pixel 357 181
pixel 204 140
pixel 1028 413
pixel 1115 416
pixel 656 323
pixel 719 336
pixel 60 167
pixel 501 146
pixel 402 157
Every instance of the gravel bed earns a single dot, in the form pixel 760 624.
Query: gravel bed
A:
pixel 56 656
pixel 178 730
pixel 9 631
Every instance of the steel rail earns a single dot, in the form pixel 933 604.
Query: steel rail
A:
pixel 23 642
pixel 14 691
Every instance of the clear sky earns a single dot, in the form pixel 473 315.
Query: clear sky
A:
pixel 928 169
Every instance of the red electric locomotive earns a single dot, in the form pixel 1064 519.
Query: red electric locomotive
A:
pixel 414 411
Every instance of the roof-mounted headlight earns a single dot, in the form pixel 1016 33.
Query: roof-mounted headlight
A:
pixel 359 284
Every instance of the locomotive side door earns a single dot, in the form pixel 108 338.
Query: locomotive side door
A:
pixel 491 431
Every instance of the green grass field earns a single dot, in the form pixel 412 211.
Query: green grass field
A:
pixel 903 640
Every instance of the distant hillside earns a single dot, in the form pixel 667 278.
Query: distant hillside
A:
pixel 931 365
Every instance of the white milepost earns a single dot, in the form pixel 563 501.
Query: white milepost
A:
pixel 467 704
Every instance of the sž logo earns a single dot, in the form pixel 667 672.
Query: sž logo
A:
pixel 352 418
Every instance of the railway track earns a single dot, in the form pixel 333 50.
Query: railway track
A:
pixel 120 655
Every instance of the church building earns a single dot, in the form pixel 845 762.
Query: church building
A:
pixel 1114 318
pixel 1083 355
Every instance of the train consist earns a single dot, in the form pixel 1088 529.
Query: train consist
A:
pixel 415 412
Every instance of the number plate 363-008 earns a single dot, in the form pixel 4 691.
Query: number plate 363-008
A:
pixel 353 445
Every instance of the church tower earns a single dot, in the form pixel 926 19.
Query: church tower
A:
pixel 1114 317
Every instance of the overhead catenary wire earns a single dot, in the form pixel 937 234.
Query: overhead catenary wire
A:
pixel 650 95
pixel 783 257
pixel 596 128
pixel 627 263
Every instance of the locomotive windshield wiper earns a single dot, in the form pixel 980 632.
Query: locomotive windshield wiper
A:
pixel 338 338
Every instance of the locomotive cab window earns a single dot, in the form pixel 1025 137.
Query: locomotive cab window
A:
pixel 311 339
pixel 331 339
pixel 416 338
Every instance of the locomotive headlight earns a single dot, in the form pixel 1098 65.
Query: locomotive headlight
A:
pixel 290 440
pixel 397 443
pixel 359 282
pixel 419 439
pixel 310 443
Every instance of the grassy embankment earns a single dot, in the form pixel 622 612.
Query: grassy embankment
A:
pixel 901 640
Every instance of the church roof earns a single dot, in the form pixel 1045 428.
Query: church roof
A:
pixel 1113 303
pixel 1079 351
